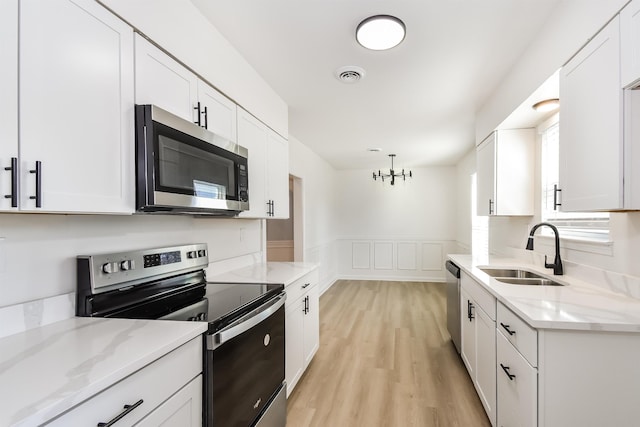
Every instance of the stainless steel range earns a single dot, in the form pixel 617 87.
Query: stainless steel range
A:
pixel 245 348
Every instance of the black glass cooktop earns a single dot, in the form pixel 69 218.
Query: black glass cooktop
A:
pixel 228 301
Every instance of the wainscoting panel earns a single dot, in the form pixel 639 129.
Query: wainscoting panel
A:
pixel 361 255
pixel 393 259
pixel 432 256
pixel 407 255
pixel 383 255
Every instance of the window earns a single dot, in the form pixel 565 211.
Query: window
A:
pixel 579 225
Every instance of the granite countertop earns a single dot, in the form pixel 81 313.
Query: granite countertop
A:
pixel 578 305
pixel 48 370
pixel 270 272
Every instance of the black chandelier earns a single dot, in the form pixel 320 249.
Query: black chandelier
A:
pixel 392 174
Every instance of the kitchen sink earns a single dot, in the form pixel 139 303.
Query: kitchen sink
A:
pixel 536 281
pixel 514 276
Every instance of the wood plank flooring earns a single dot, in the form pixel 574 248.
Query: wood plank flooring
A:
pixel 385 359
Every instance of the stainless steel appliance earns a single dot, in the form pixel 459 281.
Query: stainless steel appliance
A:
pixel 244 356
pixel 453 303
pixel 184 168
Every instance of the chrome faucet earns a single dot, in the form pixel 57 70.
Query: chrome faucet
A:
pixel 557 262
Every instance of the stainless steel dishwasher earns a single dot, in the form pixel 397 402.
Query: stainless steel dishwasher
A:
pixel 453 303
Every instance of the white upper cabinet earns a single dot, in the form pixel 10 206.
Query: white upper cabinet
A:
pixel 630 44
pixel 76 108
pixel 591 139
pixel 268 168
pixel 8 104
pixel 505 167
pixel 163 81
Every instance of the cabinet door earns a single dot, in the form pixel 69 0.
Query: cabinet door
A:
pixel 278 174
pixel 486 362
pixel 311 325
pixel 630 44
pixel 591 129
pixel 468 331
pixel 486 176
pixel 253 136
pixel 8 100
pixel 517 387
pixel 76 107
pixel 294 336
pixel 220 114
pixel 162 81
pixel 514 172
pixel 183 409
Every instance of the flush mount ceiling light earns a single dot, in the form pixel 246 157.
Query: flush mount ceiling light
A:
pixel 392 173
pixel 546 105
pixel 380 32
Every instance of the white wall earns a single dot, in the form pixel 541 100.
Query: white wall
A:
pixel 397 233
pixel 179 28
pixel 320 209
pixel 38 251
pixel 465 168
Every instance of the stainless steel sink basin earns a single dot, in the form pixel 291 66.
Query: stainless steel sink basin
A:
pixel 508 272
pixel 536 281
pixel 514 276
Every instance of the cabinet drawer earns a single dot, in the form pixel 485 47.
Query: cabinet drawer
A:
pixel 517 387
pixel 482 297
pixel 298 288
pixel 153 384
pixel 517 332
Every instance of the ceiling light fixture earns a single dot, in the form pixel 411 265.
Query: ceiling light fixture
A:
pixel 546 105
pixel 380 32
pixel 392 174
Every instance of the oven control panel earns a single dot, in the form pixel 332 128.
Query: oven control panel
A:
pixel 122 269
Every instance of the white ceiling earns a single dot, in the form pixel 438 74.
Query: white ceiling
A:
pixel 418 100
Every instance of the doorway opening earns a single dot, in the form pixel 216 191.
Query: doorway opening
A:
pixel 285 242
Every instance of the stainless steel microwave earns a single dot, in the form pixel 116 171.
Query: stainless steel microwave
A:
pixel 184 168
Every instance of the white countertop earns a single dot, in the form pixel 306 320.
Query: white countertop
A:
pixel 578 305
pixel 48 370
pixel 270 272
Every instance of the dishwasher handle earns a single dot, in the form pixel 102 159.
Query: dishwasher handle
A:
pixel 453 269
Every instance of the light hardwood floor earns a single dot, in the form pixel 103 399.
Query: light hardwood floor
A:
pixel 385 359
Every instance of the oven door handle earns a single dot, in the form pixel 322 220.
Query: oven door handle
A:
pixel 246 322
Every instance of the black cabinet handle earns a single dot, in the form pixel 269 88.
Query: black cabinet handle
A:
pixel 197 108
pixel 206 122
pixel 306 303
pixel 127 409
pixel 490 207
pixel 470 310
pixel 506 328
pixel 38 172
pixel 270 208
pixel 14 182
pixel 556 190
pixel 506 371
pixel 306 285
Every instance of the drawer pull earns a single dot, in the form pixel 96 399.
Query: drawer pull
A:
pixel 306 285
pixel 469 310
pixel 506 371
pixel 127 409
pixel 506 328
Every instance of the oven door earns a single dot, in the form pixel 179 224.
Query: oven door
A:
pixel 245 368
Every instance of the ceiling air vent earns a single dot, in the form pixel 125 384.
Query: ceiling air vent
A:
pixel 350 74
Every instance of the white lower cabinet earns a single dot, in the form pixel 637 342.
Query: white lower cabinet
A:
pixel 302 326
pixel 166 392
pixel 478 344
pixel 183 409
